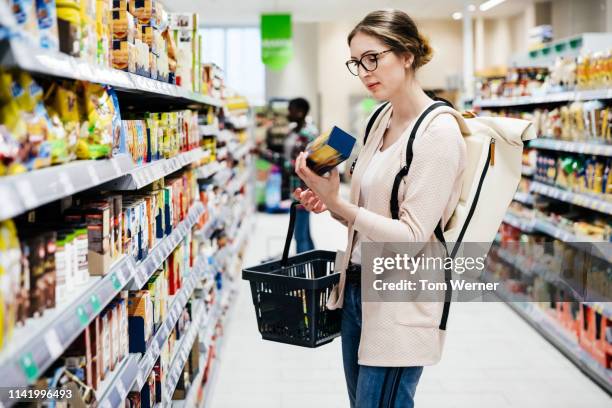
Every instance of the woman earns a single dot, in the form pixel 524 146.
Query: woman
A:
pixel 385 347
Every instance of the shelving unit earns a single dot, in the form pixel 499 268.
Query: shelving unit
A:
pixel 523 198
pixel 527 171
pixel 19 52
pixel 540 223
pixel 182 353
pixel 582 200
pixel 164 248
pixel 146 363
pixel 44 340
pixel 599 149
pixel 115 388
pixel 30 190
pixel 557 97
pixel 527 226
pixel 551 331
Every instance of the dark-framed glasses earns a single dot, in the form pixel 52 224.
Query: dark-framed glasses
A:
pixel 369 62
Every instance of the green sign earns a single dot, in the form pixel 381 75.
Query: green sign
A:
pixel 28 365
pixel 276 40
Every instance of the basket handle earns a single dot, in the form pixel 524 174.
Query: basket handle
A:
pixel 292 215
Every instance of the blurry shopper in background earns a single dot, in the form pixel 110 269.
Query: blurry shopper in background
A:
pixel 301 132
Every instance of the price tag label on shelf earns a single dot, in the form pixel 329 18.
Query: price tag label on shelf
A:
pixel 82 315
pixel 26 193
pixel 9 206
pixel 155 348
pixel 116 167
pixel 53 344
pixel 105 404
pixel 121 389
pixel 66 183
pixel 93 175
pixel 29 367
pixel 115 281
pixel 95 303
pixel 139 380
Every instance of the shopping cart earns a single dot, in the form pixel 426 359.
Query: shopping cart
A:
pixel 290 295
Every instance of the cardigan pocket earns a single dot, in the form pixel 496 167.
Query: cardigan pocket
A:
pixel 418 314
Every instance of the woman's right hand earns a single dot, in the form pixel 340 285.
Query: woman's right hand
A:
pixel 309 200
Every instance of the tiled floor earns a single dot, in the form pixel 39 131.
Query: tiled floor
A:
pixel 492 357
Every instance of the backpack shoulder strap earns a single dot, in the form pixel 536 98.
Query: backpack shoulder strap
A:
pixel 372 120
pixel 369 126
pixel 393 203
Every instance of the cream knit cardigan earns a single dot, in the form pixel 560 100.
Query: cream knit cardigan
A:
pixel 405 334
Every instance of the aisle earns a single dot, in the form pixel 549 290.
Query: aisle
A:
pixel 492 357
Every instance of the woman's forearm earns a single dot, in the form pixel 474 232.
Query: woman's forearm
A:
pixel 343 209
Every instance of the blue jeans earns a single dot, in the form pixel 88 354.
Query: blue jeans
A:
pixel 302 231
pixel 372 387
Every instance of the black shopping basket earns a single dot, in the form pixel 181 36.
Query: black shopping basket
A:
pixel 290 296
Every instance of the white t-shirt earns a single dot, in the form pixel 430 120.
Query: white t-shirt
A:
pixel 367 181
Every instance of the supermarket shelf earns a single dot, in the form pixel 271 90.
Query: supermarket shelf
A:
pixel 192 393
pixel 551 229
pixel 529 268
pixel 114 389
pixel 164 248
pixel 242 151
pixel 527 171
pixel 43 340
pixel 29 190
pixel 526 226
pixel 557 97
pixel 523 198
pixel 237 183
pixel 148 360
pixel 182 353
pixel 209 130
pixel 210 383
pixel 521 263
pixel 24 192
pixel 208 170
pixel 599 249
pixel 599 149
pixel 18 52
pixel 562 340
pixel 582 200
pixel 147 174
pixel 222 153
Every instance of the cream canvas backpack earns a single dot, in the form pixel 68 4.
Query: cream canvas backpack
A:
pixel 492 174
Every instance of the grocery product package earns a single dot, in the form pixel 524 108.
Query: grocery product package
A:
pixel 25 129
pixel 329 150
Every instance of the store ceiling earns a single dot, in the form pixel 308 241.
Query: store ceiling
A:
pixel 232 12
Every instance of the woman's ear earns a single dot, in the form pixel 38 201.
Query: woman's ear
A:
pixel 408 60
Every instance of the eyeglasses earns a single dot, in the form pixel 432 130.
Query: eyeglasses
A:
pixel 369 62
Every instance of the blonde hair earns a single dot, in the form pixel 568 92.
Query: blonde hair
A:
pixel 398 31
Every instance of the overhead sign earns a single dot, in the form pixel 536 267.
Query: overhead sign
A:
pixel 276 40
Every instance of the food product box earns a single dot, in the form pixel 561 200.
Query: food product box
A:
pixel 123 26
pixel 124 55
pixel 47 24
pixel 142 10
pixel 329 150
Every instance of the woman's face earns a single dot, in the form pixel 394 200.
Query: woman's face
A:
pixel 391 69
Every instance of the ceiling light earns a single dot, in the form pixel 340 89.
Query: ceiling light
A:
pixel 457 15
pixel 487 5
pixel 472 7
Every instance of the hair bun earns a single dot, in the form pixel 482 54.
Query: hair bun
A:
pixel 426 52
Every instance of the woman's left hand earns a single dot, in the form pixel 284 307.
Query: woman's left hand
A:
pixel 326 188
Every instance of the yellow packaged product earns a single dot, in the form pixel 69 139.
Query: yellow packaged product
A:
pixel 97 121
pixel 69 26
